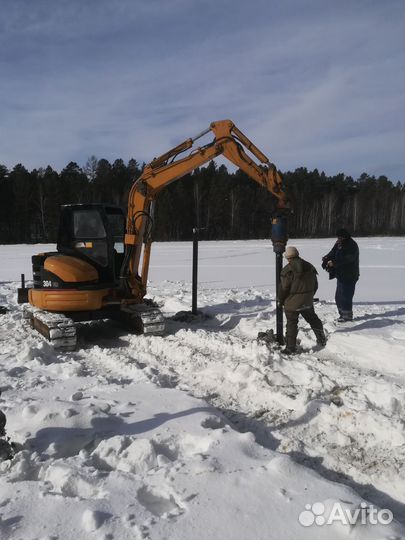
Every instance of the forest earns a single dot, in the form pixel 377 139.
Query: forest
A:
pixel 222 204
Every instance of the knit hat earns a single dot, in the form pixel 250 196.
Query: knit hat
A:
pixel 342 233
pixel 291 252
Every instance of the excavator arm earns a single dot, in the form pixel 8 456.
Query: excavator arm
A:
pixel 228 141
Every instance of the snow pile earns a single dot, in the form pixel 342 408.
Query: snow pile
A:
pixel 138 461
pixel 205 433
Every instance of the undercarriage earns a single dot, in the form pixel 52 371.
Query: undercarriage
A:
pixel 60 329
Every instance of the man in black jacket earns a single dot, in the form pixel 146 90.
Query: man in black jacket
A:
pixel 342 262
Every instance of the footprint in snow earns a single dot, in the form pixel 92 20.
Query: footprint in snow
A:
pixel 157 503
pixel 93 519
pixel 212 422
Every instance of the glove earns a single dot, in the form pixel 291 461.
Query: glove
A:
pixel 327 264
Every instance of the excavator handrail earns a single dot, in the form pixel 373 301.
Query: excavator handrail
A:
pixel 228 141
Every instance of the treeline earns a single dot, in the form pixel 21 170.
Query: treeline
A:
pixel 224 205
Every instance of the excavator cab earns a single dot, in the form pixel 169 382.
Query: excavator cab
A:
pixel 95 234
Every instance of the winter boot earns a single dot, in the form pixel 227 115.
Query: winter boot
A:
pixel 320 337
pixel 290 344
pixel 345 315
pixel 290 350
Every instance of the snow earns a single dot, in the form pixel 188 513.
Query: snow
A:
pixel 205 433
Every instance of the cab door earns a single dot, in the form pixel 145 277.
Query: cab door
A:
pixel 95 233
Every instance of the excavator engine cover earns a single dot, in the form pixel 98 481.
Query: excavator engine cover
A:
pixel 70 269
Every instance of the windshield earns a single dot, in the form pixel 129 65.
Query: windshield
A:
pixel 88 224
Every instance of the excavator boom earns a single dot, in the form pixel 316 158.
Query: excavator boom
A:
pixel 228 141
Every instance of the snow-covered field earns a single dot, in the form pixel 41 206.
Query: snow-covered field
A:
pixel 205 433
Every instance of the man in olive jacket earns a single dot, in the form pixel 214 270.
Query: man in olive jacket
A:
pixel 298 284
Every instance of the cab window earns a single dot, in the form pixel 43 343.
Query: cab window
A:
pixel 90 236
pixel 88 224
pixel 116 223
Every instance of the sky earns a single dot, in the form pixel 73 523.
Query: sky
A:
pixel 313 83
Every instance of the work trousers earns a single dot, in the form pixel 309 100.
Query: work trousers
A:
pixel 344 298
pixel 292 325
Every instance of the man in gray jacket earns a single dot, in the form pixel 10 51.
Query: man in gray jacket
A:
pixel 298 284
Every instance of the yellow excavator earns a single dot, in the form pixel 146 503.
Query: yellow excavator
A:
pixel 89 277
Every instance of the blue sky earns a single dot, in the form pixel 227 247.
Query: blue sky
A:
pixel 315 83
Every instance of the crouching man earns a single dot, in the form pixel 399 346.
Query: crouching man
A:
pixel 298 284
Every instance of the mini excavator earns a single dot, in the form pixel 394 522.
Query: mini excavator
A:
pixel 88 278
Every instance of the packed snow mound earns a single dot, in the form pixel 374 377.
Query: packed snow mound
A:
pixel 124 453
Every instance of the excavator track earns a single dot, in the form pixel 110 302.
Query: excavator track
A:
pixel 146 319
pixel 58 329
